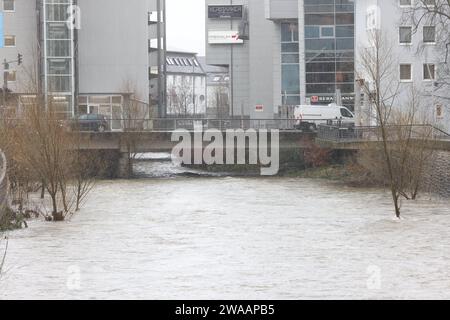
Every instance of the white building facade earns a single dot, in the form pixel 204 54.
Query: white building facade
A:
pixel 84 56
pixel 417 57
pixel 186 85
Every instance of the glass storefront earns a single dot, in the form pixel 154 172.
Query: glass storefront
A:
pixel 110 106
pixel 330 50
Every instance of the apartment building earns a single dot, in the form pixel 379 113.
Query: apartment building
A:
pixel 417 56
pixel 84 56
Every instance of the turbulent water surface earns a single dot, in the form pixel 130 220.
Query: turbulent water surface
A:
pixel 168 236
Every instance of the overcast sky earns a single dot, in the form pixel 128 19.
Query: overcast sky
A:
pixel 186 25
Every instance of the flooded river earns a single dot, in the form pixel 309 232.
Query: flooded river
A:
pixel 170 235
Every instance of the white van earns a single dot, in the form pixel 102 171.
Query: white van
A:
pixel 309 117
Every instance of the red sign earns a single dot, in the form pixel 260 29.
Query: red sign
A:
pixel 314 99
pixel 259 108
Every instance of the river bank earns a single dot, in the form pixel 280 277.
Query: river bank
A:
pixel 350 174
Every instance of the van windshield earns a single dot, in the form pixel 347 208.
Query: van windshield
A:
pixel 345 113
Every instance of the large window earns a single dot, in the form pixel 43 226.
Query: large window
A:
pixel 10 41
pixel 429 34
pixel 329 49
pixel 429 71
pixel 290 67
pixel 405 72
pixel 405 35
pixel 59 51
pixel 9 5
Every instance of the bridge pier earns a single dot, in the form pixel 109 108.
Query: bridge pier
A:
pixel 124 166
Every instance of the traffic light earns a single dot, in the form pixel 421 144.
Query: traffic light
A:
pixel 19 59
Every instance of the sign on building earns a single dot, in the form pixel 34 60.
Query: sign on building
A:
pixel 2 35
pixel 259 108
pixel 224 37
pixel 225 12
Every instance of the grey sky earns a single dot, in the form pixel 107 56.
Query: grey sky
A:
pixel 186 25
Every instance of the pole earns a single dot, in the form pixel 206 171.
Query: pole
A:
pixel 193 86
pixel 5 82
pixel 164 58
pixel 231 70
pixel 159 57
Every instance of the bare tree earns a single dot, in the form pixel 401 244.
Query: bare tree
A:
pixel 135 116
pixel 378 70
pixel 180 97
pixel 3 255
pixel 220 101
pixel 403 138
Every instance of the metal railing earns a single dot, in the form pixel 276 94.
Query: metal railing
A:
pixel 171 124
pixel 373 133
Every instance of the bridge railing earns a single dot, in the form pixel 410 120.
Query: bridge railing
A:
pixel 221 124
pixel 373 133
pixel 171 124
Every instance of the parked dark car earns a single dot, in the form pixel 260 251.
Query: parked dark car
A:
pixel 90 122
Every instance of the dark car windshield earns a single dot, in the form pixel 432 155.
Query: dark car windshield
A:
pixel 345 113
pixel 95 117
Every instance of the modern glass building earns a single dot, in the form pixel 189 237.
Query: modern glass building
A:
pixel 289 52
pixel 57 36
pixel 330 50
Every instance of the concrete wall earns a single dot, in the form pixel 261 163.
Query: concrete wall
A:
pixel 220 54
pixel 264 47
pixel 256 71
pixel 113 46
pixel 281 9
pixel 438 178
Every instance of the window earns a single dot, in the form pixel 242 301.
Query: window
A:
pixel 345 113
pixel 405 72
pixel 8 5
pixel 10 41
pixel 439 112
pixel 429 34
pixel 405 3
pixel 428 3
pixel 11 76
pixel 405 35
pixel 429 71
pixel 290 68
pixel 327 32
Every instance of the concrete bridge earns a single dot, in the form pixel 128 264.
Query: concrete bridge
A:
pixel 343 140
pixel 118 145
pixel 157 141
